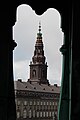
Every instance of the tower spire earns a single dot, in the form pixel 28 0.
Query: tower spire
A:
pixel 38 66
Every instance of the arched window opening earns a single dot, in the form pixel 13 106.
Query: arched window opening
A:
pixel 24 33
pixel 34 73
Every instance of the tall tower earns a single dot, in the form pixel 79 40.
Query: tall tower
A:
pixel 38 66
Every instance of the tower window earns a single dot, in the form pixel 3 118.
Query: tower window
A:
pixel 38 51
pixel 34 73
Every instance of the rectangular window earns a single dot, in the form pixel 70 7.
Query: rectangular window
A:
pixel 25 102
pixel 44 103
pixel 18 102
pixel 53 103
pixel 33 113
pixel 50 103
pixel 44 114
pixel 47 103
pixel 50 114
pixel 37 102
pixel 24 114
pixel 47 114
pixel 37 114
pixel 41 102
pixel 18 114
pixel 29 113
pixel 53 114
pixel 56 113
pixel 41 114
pixel 30 102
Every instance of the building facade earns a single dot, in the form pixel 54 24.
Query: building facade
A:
pixel 37 99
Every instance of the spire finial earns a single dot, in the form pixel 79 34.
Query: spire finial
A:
pixel 39 34
pixel 39 26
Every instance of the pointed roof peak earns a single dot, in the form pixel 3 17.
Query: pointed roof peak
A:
pixel 39 34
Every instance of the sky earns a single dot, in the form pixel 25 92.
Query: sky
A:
pixel 25 32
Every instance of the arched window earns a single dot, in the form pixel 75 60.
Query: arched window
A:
pixel 34 73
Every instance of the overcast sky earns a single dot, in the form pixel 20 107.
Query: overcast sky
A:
pixel 25 32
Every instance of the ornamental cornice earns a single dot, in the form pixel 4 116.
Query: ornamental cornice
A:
pixel 35 94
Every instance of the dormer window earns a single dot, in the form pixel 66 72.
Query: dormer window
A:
pixel 34 87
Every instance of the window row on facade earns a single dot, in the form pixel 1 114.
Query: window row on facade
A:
pixel 38 107
pixel 37 102
pixel 34 113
